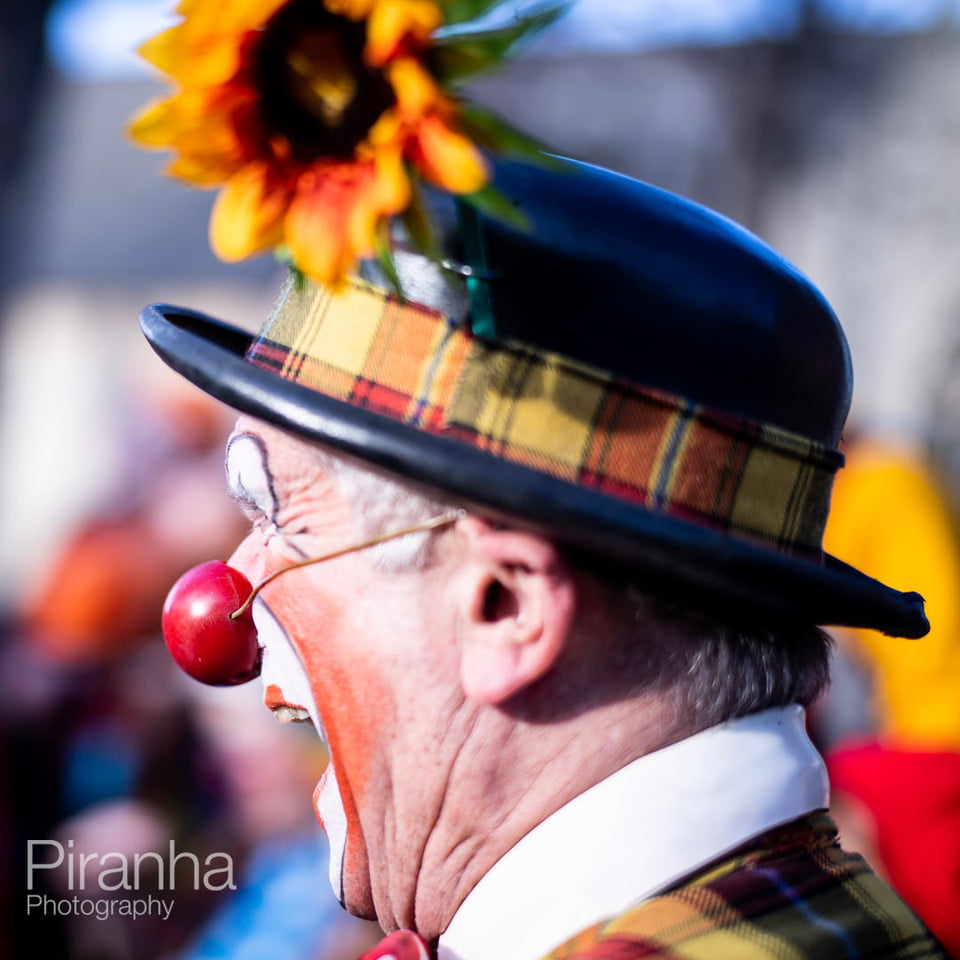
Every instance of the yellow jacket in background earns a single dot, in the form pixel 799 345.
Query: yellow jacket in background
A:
pixel 889 520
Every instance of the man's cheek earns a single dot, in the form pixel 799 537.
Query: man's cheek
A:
pixel 353 702
pixel 313 620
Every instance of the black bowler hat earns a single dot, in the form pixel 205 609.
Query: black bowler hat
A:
pixel 632 373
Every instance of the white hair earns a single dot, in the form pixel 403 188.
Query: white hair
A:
pixel 381 505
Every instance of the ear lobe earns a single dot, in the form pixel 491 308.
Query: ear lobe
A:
pixel 518 611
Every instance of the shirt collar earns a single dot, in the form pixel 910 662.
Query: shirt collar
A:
pixel 638 832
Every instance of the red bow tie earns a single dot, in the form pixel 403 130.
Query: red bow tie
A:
pixel 400 945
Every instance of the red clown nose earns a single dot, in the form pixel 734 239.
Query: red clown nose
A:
pixel 208 626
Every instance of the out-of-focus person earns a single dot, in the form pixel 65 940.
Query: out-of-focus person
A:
pixel 897 789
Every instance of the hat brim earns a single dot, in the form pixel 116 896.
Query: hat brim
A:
pixel 667 552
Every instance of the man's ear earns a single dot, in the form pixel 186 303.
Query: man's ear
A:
pixel 517 609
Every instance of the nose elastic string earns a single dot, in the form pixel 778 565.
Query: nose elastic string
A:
pixel 444 520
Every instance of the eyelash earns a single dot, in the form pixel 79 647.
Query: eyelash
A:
pixel 257 518
pixel 268 527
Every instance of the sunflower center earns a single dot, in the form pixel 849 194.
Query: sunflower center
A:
pixel 316 91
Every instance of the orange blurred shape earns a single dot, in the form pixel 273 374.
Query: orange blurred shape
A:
pixel 103 592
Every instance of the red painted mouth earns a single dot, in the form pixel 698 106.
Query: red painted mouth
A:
pixel 282 709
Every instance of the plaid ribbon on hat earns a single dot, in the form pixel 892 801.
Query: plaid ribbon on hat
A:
pixel 552 414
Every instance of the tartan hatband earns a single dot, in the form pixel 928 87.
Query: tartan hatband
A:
pixel 552 414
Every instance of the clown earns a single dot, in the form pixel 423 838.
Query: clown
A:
pixel 535 544
pixel 565 691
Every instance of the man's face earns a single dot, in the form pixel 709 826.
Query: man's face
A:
pixel 346 644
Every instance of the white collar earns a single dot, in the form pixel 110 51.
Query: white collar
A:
pixel 639 831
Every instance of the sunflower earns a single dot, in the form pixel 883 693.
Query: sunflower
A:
pixel 319 119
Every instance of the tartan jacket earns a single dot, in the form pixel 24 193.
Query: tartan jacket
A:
pixel 790 894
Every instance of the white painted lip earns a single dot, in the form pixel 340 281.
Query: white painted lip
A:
pixel 282 668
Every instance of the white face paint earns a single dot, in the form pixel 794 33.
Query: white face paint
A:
pixel 282 668
pixel 282 671
pixel 329 809
pixel 248 479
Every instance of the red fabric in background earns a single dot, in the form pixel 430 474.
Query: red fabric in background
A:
pixel 914 797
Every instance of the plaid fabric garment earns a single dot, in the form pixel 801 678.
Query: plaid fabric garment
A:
pixel 552 414
pixel 790 895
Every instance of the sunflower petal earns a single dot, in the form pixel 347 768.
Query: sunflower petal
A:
pixel 315 224
pixel 207 47
pixel 209 17
pixel 211 132
pixel 251 14
pixel 385 192
pixel 157 124
pixel 247 216
pixel 225 135
pixel 213 61
pixel 351 9
pixel 398 25
pixel 416 91
pixel 202 170
pixel 387 131
pixel 448 158
pixel 391 184
pixel 165 49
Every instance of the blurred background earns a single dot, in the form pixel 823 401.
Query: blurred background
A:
pixel 829 127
